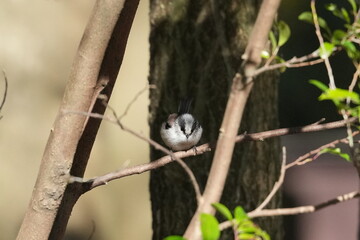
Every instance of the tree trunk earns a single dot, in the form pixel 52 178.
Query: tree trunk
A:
pixel 196 49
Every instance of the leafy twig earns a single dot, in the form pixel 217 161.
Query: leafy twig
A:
pixel 296 210
pixel 304 209
pixel 322 46
pixel 306 158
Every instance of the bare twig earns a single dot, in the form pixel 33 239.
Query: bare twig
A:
pixel 93 229
pixel 321 40
pixel 306 158
pixel 296 210
pixel 277 185
pixel 134 100
pixel 304 209
pixel 5 91
pixel 307 60
pixel 288 131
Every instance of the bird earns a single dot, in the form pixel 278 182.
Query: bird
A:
pixel 181 131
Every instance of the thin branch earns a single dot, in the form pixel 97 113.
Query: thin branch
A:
pixel 294 62
pixel 148 86
pixel 304 209
pixel 321 40
pixel 277 185
pixel 93 229
pixel 306 157
pixel 5 90
pixel 296 210
pixel 288 131
pixel 207 147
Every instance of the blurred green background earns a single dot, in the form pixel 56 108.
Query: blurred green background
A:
pixel 38 41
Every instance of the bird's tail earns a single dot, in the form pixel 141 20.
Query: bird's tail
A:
pixel 184 106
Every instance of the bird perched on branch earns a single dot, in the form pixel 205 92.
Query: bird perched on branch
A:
pixel 181 131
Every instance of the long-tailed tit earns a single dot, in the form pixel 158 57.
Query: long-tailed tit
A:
pixel 181 131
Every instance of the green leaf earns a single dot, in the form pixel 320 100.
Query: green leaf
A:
pixel 248 229
pixel 340 94
pixel 209 227
pixel 273 41
pixel 319 85
pixel 326 50
pixel 246 236
pixel 308 17
pixel 351 50
pixel 353 5
pixel 221 208
pixel 345 15
pixel 240 214
pixel 336 151
pixel 263 235
pixel 331 7
pixel 284 33
pixel 174 237
pixel 337 36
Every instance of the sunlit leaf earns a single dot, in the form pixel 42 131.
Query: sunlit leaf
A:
pixel 306 17
pixel 345 15
pixel 337 36
pixel 240 214
pixel 319 85
pixel 273 41
pixel 340 94
pixel 209 227
pixel 331 7
pixel 353 5
pixel 246 236
pixel 326 50
pixel 263 235
pixel 337 152
pixel 351 50
pixel 221 208
pixel 174 237
pixel 284 33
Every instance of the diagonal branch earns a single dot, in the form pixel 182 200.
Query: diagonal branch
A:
pixel 296 210
pixel 277 185
pixel 304 209
pixel 240 90
pixel 306 157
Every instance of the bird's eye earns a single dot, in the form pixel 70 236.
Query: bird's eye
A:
pixel 167 125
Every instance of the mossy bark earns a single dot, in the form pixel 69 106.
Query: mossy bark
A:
pixel 196 49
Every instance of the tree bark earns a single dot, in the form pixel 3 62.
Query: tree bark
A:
pixel 196 49
pixel 94 72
